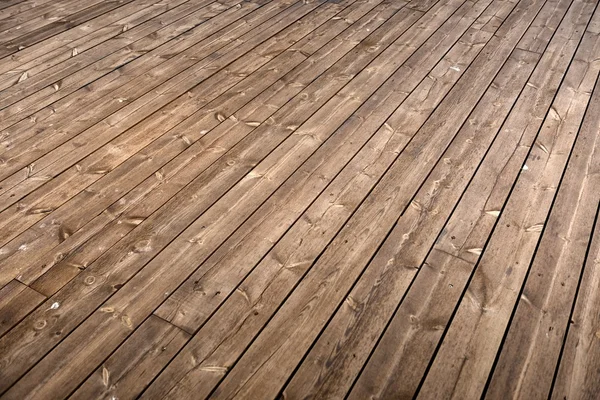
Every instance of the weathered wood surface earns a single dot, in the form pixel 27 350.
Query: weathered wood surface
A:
pixel 299 199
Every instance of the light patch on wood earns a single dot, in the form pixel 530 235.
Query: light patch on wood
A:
pixel 532 85
pixel 127 321
pixel 143 246
pixel 493 213
pixel 244 294
pixel 39 325
pixel 107 310
pixel 542 147
pixel 476 251
pixel 105 376
pixel 56 87
pixel 352 303
pixel 64 233
pixel 186 140
pixel 41 211
pixel 41 178
pixel 526 300
pixel 215 369
pixel 74 52
pixel 554 114
pixel 535 228
pixel 253 123
pixel 23 76
pixel 253 174
pixel 416 205
pixel 133 220
pixel 598 334
pixel 220 117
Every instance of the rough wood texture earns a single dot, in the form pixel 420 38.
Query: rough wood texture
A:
pixel 299 199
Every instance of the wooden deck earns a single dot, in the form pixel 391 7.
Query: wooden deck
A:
pixel 370 199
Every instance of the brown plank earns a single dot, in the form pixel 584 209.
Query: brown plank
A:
pixel 529 354
pixel 127 372
pixel 144 199
pixel 36 17
pixel 220 83
pixel 135 47
pixel 578 370
pixel 175 113
pixel 477 329
pixel 303 314
pixel 220 342
pixel 419 322
pixel 60 25
pixel 62 150
pixel 69 14
pixel 334 85
pixel 352 333
pixel 212 117
pixel 162 35
pixel 38 91
pixel 187 307
pixel 49 52
pixel 10 8
pixel 16 301
pixel 299 198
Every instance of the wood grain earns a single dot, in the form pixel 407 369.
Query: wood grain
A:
pixel 299 199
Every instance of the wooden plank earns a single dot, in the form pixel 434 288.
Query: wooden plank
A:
pixel 299 198
pixel 577 373
pixel 479 323
pixel 225 335
pixel 10 8
pixel 16 301
pixel 187 307
pixel 420 320
pixel 137 47
pixel 35 91
pixel 212 117
pixel 145 199
pixel 303 314
pixel 60 26
pixel 530 351
pixel 140 136
pixel 10 28
pixel 353 331
pixel 172 88
pixel 127 372
pixel 52 51
pixel 154 35
pixel 48 25
pixel 367 53
pixel 176 111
